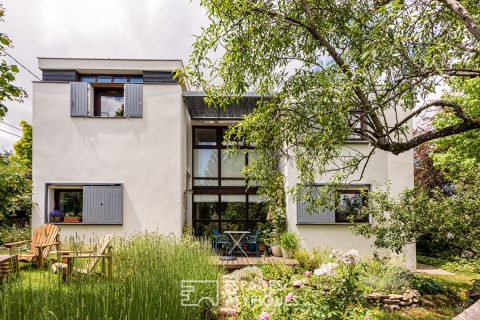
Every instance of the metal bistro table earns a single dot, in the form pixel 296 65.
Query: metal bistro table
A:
pixel 237 237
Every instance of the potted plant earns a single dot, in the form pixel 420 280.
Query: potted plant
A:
pixel 56 216
pixel 273 243
pixel 72 217
pixel 289 242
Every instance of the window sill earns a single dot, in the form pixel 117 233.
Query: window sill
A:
pixel 98 117
pixel 331 223
pixel 85 223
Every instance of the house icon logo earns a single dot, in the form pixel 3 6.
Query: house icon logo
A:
pixel 197 292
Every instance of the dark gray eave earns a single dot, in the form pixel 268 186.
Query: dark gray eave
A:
pixel 199 110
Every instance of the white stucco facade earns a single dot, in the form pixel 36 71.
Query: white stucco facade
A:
pixel 151 158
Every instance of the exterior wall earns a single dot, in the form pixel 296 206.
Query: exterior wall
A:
pixel 382 168
pixel 147 155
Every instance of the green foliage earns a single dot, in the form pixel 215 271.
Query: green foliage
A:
pixel 15 187
pixel 8 91
pixel 247 274
pixel 450 221
pixel 276 270
pixel 426 285
pixel 23 147
pixel 386 276
pixel 14 233
pixel 290 241
pixel 314 62
pixel 146 284
pixel 452 264
pixel 309 260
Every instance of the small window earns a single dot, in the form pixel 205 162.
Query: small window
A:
pixel 357 121
pixel 120 79
pixel 104 79
pixel 136 79
pixel 69 201
pixel 109 102
pixel 349 206
pixel 89 79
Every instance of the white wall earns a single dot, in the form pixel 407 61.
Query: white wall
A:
pixel 147 155
pixel 383 167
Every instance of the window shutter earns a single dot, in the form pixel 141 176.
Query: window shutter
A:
pixel 304 217
pixel 103 204
pixel 133 100
pixel 78 99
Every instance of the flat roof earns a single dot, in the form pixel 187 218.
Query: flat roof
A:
pixel 198 109
pixel 107 65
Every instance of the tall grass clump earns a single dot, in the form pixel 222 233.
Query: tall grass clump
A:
pixel 146 284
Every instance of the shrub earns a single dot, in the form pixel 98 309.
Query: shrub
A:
pixel 426 285
pixel 290 241
pixel 277 271
pixel 146 284
pixel 309 260
pixel 14 233
pixel 452 264
pixel 385 275
pixel 247 274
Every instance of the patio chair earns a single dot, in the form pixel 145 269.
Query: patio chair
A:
pixel 220 240
pixel 251 239
pixel 103 253
pixel 43 239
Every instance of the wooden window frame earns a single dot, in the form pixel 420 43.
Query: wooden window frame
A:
pixel 106 91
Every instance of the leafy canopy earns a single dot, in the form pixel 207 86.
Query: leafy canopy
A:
pixel 316 61
pixel 8 91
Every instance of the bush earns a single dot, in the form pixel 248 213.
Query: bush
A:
pixel 146 284
pixel 310 260
pixel 452 264
pixel 385 275
pixel 427 285
pixel 247 274
pixel 14 233
pixel 277 271
pixel 290 241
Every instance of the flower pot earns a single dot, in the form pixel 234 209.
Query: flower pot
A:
pixel 276 251
pixel 72 219
pixel 261 246
pixel 288 254
pixel 56 219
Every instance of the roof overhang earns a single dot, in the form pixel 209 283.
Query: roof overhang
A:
pixel 199 110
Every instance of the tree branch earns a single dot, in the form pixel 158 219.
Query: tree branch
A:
pixel 464 15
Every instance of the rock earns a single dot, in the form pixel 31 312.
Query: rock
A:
pixel 474 295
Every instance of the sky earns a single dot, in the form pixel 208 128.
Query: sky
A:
pixel 139 29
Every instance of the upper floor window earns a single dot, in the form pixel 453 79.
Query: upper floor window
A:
pixel 112 78
pixel 109 102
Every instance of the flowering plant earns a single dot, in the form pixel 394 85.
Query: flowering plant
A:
pixel 56 213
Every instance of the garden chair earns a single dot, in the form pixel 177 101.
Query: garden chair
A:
pixel 252 239
pixel 220 240
pixel 102 252
pixel 43 239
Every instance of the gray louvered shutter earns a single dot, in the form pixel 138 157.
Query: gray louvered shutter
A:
pixel 103 204
pixel 78 99
pixel 324 215
pixel 133 100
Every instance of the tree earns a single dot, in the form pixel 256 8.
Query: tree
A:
pixel 23 147
pixel 329 69
pixel 450 222
pixel 8 91
pixel 16 177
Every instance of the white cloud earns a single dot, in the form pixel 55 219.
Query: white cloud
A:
pixel 150 29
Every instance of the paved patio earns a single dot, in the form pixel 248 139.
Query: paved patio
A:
pixel 242 262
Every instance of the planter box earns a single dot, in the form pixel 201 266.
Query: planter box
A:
pixel 72 219
pixel 276 251
pixel 288 254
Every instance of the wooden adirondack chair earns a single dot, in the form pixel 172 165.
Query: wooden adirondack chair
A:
pixel 103 253
pixel 43 239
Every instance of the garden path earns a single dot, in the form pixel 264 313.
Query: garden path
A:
pixel 426 269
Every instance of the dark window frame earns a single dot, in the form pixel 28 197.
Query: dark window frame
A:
pixel 56 196
pixel 99 92
pixel 363 125
pixel 220 190
pixel 359 191
pixel 129 78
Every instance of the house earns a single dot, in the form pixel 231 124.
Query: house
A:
pixel 124 143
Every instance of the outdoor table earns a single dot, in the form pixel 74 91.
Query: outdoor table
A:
pixel 237 237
